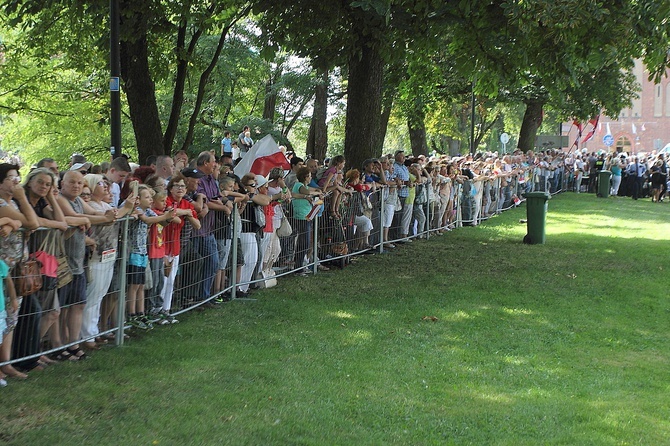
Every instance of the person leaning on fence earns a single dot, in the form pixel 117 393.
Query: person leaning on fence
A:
pixel 72 297
pixel 138 258
pixel 279 194
pixel 252 225
pixel 302 205
pixel 203 239
pixel 362 223
pixel 187 214
pixel 39 311
pixel 14 207
pixel 102 259
pixel 223 232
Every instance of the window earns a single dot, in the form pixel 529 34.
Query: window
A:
pixel 658 100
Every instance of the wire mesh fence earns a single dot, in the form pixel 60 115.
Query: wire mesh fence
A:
pixel 184 269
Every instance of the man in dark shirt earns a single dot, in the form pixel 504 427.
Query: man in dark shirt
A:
pixel 204 241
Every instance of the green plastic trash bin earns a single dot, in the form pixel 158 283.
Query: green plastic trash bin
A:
pixel 536 217
pixel 604 183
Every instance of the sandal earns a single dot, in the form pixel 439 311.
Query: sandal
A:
pixel 77 353
pixel 101 340
pixel 65 355
pixel 91 346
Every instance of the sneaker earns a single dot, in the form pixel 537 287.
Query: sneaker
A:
pixel 163 318
pixel 223 298
pixel 137 323
pixel 172 320
pixel 147 323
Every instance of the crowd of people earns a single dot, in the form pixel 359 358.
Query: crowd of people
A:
pixel 636 176
pixel 198 235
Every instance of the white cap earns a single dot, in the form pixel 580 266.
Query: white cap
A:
pixel 79 166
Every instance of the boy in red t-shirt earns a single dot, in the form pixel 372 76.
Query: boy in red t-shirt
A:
pixel 156 251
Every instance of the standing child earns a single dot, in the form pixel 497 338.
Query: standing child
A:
pixel 138 259
pixel 156 251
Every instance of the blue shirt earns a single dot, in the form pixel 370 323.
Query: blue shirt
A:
pixel 401 171
pixel 637 168
pixel 226 144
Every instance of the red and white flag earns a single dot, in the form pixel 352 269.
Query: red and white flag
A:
pixel 594 126
pixel 264 155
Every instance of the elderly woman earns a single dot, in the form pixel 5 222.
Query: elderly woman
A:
pixel 14 206
pixel 103 256
pixel 33 323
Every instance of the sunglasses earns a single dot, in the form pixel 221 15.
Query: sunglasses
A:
pixel 251 185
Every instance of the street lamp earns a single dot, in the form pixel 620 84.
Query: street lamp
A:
pixel 114 80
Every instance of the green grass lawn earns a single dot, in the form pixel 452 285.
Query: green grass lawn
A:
pixel 562 343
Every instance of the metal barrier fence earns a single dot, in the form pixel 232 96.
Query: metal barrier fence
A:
pixel 123 294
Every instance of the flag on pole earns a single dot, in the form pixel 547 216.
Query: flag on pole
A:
pixel 643 128
pixel 634 128
pixel 261 158
pixel 609 132
pixel 594 126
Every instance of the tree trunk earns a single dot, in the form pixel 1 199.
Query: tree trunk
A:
pixel 317 139
pixel 417 129
pixel 532 119
pixel 364 106
pixel 183 57
pixel 270 99
pixel 454 146
pixel 204 78
pixel 141 94
pixel 380 136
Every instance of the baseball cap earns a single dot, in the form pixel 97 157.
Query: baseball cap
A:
pixel 80 166
pixel 192 173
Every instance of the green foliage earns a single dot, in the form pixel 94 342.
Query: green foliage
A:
pixel 49 108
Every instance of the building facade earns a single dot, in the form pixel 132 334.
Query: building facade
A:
pixel 643 128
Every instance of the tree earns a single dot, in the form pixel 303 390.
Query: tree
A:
pixel 547 51
pixel 155 34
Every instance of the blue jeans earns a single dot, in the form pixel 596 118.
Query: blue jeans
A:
pixel 206 247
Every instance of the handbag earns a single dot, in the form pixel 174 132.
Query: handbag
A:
pixel 269 279
pixel 285 228
pixel 45 255
pixel 28 275
pixel 64 273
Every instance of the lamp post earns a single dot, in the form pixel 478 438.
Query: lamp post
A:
pixel 114 80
